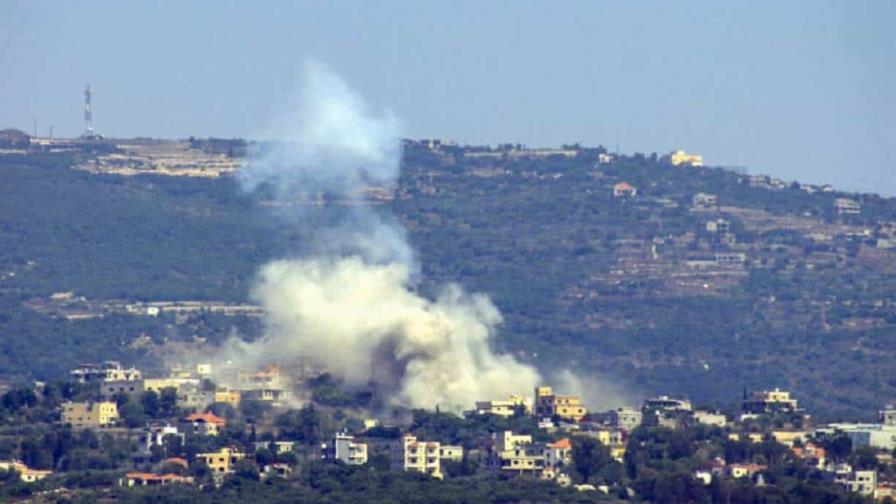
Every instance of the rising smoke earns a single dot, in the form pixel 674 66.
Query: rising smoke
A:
pixel 350 307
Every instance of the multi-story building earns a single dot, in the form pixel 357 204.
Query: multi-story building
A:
pixel 221 461
pixel 420 456
pixel 231 397
pixel 704 201
pixel 203 424
pixel 666 403
pixel 110 388
pixel 505 408
pixel 343 447
pixel 155 436
pixel 517 454
pixel 548 405
pixel 90 415
pixel 767 401
pixel 275 446
pixel 847 206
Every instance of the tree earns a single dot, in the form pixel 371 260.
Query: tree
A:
pixel 150 402
pixel 302 425
pixel 589 456
pixel 132 413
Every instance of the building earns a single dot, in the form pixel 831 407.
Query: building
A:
pixel 194 398
pixel 157 385
pixel 814 455
pixel 110 389
pixel 107 371
pixel 90 415
pixel 203 424
pixel 505 408
pixel 624 190
pixel 420 456
pixel 846 206
pixel 625 418
pixel 231 397
pixel 275 446
pixel 666 403
pixel 344 448
pixel 515 454
pixel 549 405
pixel 768 401
pixel 221 461
pixel 860 482
pixel 718 226
pixel 873 435
pixel 744 470
pixel 730 259
pixel 269 378
pixel 680 157
pixel 155 436
pixel 704 201
pixel 788 437
pixel 451 452
pixel 132 479
pixel 275 396
pixel 26 474
pixel 710 418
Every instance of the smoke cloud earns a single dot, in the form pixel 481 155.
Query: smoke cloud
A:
pixel 350 307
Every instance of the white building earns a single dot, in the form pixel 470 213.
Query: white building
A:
pixel 343 447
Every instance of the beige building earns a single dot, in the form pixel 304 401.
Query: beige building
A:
pixel 505 408
pixel 88 415
pixel 203 424
pixel 419 456
pixel 221 461
pixel 231 397
pixel 547 405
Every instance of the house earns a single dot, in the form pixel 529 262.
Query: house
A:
pixel 420 456
pixel 603 158
pixel 221 461
pixel 505 408
pixel 26 474
pixel 227 396
pixel 451 452
pixel 203 424
pixel 624 190
pixel 275 446
pixel 90 415
pixel 625 418
pixel 155 436
pixel 157 385
pixel 847 206
pixel 275 396
pixel 344 448
pixel 813 454
pixel 548 405
pixel 269 378
pixel 680 157
pixel 279 470
pixel 107 371
pixel 767 401
pixel 558 454
pixel 730 259
pixel 710 418
pixel 194 397
pixel 860 482
pixel 132 479
pixel 788 437
pixel 744 470
pixel 704 201
pixel 517 454
pixel 112 388
pixel 666 403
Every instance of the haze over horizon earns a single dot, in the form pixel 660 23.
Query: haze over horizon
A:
pixel 802 90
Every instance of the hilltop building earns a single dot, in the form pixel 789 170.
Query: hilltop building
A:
pixel 680 157
pixel 846 206
pixel 703 201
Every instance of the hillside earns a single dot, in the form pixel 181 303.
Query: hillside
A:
pixel 765 285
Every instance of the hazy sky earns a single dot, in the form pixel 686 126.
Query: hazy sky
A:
pixel 800 90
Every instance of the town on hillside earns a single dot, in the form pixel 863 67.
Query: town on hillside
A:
pixel 186 429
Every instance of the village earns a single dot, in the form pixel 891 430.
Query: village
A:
pixel 191 410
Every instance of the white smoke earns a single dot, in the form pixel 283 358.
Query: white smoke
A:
pixel 350 307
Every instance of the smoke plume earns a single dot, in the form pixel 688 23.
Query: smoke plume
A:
pixel 350 306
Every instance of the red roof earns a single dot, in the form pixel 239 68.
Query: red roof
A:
pixel 562 444
pixel 177 460
pixel 207 418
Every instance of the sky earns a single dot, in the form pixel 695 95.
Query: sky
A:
pixel 802 90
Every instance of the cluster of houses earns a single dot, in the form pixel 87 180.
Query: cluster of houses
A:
pixel 563 418
pixel 190 387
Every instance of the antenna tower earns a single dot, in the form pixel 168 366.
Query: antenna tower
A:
pixel 88 112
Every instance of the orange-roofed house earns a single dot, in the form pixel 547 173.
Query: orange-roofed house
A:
pixel 204 424
pixel 557 454
pixel 624 190
pixel 813 454
pixel 151 479
pixel 177 461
